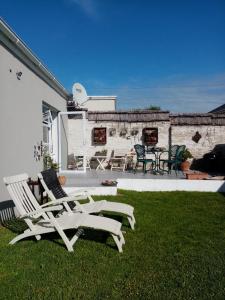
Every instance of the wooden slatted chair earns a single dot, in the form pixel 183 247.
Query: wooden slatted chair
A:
pixel 54 191
pixel 40 219
pixel 118 161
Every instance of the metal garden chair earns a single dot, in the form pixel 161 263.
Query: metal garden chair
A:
pixel 166 156
pixel 141 157
pixel 174 158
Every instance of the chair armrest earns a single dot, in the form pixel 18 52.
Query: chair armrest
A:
pixel 118 158
pixel 42 210
pixel 78 192
pixel 152 154
pixel 64 199
pixel 163 152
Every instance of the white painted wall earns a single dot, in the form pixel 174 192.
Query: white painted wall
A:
pixel 76 138
pixel 100 104
pixel 163 185
pixel 21 117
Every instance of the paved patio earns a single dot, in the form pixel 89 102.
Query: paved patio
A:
pixel 93 178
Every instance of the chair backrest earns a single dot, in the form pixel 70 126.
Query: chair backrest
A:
pixel 102 153
pixel 173 151
pixel 140 150
pixel 21 195
pixel 179 152
pixel 50 183
pixel 119 153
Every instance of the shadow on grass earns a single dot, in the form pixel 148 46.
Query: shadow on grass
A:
pixel 18 226
pixel 15 225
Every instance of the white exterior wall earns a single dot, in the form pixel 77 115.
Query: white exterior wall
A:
pixel 21 117
pixel 100 104
pixel 167 185
pixel 211 136
pixel 114 142
pixel 76 138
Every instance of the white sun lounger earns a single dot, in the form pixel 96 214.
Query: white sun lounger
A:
pixel 41 220
pixel 54 190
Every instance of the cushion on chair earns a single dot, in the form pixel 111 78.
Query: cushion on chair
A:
pixel 52 182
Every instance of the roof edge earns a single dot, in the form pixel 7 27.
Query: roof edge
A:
pixel 44 73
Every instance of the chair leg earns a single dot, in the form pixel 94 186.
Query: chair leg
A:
pixel 169 168
pixel 27 233
pixel 131 221
pixel 76 236
pixel 153 165
pixel 38 237
pixel 135 169
pixel 164 170
pixel 175 168
pixel 144 167
pixel 122 238
pixel 20 237
pixel 118 242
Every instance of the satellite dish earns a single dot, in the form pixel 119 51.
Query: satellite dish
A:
pixel 79 93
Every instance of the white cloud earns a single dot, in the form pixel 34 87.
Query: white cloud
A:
pixel 176 94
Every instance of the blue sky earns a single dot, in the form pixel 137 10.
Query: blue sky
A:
pixel 169 53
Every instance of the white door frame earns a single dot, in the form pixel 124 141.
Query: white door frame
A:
pixel 83 113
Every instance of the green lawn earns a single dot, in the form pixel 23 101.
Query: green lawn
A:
pixel 176 252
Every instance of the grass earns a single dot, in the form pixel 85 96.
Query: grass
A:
pixel 176 252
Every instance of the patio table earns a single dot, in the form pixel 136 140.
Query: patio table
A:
pixel 156 152
pixel 101 160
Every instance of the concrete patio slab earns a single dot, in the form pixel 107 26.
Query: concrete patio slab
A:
pixel 92 179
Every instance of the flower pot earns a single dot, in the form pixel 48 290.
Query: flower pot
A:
pixel 62 179
pixel 185 166
pixel 197 175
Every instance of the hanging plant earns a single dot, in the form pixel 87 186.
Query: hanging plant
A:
pixel 49 163
pixel 134 132
pixel 112 131
pixel 123 132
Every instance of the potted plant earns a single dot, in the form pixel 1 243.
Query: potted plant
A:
pixel 49 163
pixel 186 155
pixel 134 132
pixel 123 132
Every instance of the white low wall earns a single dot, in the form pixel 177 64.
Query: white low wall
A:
pixel 171 185
pixel 100 190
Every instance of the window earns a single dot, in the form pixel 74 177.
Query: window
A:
pixel 47 122
pixel 150 136
pixel 99 136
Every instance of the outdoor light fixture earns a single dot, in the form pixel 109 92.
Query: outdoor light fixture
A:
pixel 18 75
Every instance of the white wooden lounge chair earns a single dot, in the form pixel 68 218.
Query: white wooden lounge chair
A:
pixel 41 220
pixel 51 185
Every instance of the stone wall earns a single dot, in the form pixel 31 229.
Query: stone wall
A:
pixel 116 141
pixel 182 134
pixel 210 137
